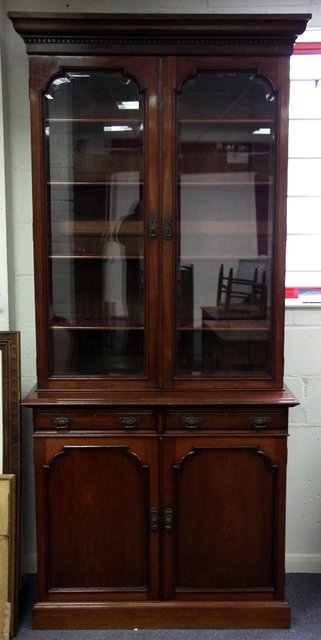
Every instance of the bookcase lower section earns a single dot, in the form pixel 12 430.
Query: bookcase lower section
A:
pixel 176 527
pixel 161 615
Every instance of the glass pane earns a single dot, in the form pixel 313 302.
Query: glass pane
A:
pixel 94 136
pixel 225 200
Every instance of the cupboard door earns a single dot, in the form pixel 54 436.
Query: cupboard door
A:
pixel 224 177
pixel 223 507
pixel 101 197
pixel 97 524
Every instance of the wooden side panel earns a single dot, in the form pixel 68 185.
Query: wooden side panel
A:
pixel 225 504
pixel 218 491
pixel 96 520
pixel 88 507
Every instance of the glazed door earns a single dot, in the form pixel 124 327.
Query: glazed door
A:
pixel 220 203
pixel 224 506
pixel 98 263
pixel 97 501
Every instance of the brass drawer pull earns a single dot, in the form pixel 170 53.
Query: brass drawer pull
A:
pixel 168 519
pixel 129 422
pixel 62 424
pixel 168 229
pixel 152 228
pixel 154 520
pixel 260 422
pixel 193 422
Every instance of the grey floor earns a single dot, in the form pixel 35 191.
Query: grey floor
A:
pixel 303 593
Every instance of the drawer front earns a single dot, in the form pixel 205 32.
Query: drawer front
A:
pixel 256 420
pixel 64 420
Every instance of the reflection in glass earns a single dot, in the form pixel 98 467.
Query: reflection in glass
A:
pixel 94 135
pixel 225 199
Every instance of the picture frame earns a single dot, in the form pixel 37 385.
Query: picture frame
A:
pixel 10 448
pixel 10 401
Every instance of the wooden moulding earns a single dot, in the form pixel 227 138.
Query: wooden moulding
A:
pixel 162 615
pixel 53 33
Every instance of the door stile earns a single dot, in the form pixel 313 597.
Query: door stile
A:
pixel 168 216
pixel 167 505
pixel 152 225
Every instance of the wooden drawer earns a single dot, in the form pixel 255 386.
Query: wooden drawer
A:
pixel 256 420
pixel 64 420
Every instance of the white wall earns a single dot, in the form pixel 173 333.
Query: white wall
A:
pixel 303 376
pixel 4 305
pixel 303 335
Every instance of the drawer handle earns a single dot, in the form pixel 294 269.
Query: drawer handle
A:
pixel 129 422
pixel 152 228
pixel 168 229
pixel 154 519
pixel 62 424
pixel 168 519
pixel 260 422
pixel 191 422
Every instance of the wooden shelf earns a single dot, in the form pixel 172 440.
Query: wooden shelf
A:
pixel 223 228
pixel 92 183
pixel 221 256
pixel 89 256
pixel 99 120
pixel 97 227
pixel 92 326
pixel 223 183
pixel 206 120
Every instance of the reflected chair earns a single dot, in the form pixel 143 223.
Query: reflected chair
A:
pixel 241 297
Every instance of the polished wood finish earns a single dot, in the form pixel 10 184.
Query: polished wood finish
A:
pixel 116 550
pixel 161 497
pixel 230 556
pixel 162 615
pixel 171 34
